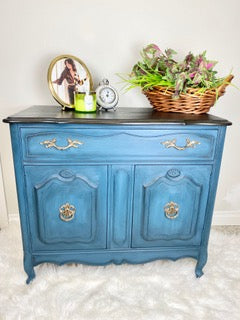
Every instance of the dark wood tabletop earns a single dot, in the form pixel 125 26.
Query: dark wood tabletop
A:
pixel 54 114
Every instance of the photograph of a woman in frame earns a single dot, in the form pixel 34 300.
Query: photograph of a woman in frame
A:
pixel 71 79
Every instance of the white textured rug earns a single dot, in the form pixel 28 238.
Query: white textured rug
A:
pixel 153 291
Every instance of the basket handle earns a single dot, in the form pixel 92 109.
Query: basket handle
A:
pixel 225 83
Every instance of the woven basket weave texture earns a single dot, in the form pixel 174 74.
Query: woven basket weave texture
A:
pixel 190 102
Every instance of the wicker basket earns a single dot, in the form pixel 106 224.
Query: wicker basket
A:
pixel 190 102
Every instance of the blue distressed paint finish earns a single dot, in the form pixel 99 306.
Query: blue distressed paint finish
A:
pixel 120 179
pixel 154 189
pixel 84 188
pixel 144 144
pixel 121 196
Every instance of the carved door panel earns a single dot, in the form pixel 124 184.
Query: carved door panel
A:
pixel 169 204
pixel 67 206
pixel 120 205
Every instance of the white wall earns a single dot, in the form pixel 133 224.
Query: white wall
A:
pixel 108 35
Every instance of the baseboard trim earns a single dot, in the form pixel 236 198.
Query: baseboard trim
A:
pixel 13 217
pixel 219 218
pixel 226 218
pixel 3 204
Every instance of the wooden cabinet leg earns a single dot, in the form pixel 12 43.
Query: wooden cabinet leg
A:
pixel 202 260
pixel 28 267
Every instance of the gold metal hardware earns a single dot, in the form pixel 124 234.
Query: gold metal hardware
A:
pixel 171 210
pixel 52 144
pixel 67 212
pixel 172 144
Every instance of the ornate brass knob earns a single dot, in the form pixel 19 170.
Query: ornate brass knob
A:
pixel 52 144
pixel 172 144
pixel 171 210
pixel 67 212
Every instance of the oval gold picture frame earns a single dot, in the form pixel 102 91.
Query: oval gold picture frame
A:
pixel 65 73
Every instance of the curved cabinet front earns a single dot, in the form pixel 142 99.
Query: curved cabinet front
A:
pixel 68 207
pixel 99 192
pixel 169 205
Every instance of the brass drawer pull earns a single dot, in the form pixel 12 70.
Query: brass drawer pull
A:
pixel 52 144
pixel 172 144
pixel 67 212
pixel 171 210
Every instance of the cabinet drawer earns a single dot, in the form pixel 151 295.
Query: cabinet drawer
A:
pixel 99 145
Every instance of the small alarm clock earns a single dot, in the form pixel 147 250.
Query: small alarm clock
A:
pixel 107 96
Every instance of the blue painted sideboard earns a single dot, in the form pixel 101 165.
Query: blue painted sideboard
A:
pixel 113 187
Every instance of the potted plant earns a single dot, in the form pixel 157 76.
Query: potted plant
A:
pixel 188 86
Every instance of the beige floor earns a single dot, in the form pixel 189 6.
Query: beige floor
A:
pixel 159 290
pixel 228 230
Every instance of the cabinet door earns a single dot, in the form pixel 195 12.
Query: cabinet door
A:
pixel 67 206
pixel 169 205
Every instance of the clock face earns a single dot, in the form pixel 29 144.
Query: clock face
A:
pixel 107 95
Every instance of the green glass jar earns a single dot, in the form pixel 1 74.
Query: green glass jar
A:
pixel 85 102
